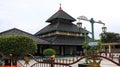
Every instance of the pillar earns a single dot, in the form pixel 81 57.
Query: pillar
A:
pixel 62 50
pixel 71 51
pixel 40 50
pixel 109 50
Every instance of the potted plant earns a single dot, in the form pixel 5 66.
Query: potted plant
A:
pixel 96 61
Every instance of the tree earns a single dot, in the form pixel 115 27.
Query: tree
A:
pixel 12 47
pixel 109 37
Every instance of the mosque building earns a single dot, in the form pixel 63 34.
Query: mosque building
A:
pixel 61 34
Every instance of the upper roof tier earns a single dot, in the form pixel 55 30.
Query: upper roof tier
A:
pixel 60 14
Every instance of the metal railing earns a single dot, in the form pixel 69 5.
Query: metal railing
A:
pixel 62 62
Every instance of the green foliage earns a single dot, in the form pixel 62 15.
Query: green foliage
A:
pixel 98 47
pixel 49 52
pixel 109 37
pixel 85 45
pixel 98 40
pixel 17 45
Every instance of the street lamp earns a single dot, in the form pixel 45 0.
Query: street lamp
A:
pixel 92 21
pixel 79 24
pixel 104 29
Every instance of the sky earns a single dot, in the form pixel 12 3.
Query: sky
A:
pixel 30 15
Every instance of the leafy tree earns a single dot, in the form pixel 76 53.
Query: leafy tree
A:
pixel 109 37
pixel 16 46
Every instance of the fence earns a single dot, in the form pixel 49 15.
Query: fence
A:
pixel 58 62
pixel 62 62
pixel 67 62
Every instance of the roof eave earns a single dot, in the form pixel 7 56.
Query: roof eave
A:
pixel 50 20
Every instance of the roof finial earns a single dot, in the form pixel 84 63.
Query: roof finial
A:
pixel 60 7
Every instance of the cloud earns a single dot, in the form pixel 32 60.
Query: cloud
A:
pixel 30 15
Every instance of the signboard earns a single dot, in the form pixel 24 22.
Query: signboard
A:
pixel 93 43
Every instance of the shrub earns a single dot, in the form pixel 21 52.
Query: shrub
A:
pixel 49 52
pixel 17 45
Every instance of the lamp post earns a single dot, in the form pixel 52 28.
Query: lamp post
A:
pixel 85 44
pixel 104 29
pixel 92 21
pixel 79 25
